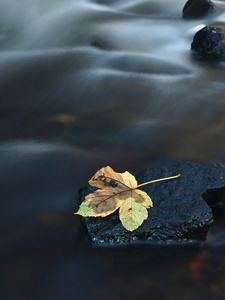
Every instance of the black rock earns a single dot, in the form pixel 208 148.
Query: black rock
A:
pixel 196 9
pixel 180 214
pixel 215 197
pixel 209 43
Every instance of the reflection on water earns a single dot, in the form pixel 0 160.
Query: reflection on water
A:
pixel 85 84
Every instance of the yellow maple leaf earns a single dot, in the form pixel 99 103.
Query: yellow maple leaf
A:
pixel 118 190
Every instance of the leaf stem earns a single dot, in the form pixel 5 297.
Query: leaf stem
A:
pixel 167 178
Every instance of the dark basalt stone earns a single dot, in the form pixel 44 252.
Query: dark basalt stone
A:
pixel 209 42
pixel 180 213
pixel 197 9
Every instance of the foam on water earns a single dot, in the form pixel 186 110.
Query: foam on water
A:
pixel 129 61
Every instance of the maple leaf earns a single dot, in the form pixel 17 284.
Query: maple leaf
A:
pixel 118 190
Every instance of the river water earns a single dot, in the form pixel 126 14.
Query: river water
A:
pixel 85 84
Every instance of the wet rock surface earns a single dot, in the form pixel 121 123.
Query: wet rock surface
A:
pixel 196 9
pixel 209 42
pixel 180 214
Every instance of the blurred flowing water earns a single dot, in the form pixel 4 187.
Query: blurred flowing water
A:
pixel 85 84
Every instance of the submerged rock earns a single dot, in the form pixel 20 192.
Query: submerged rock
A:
pixel 196 9
pixel 180 214
pixel 209 42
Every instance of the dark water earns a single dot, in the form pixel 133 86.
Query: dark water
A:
pixel 85 84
